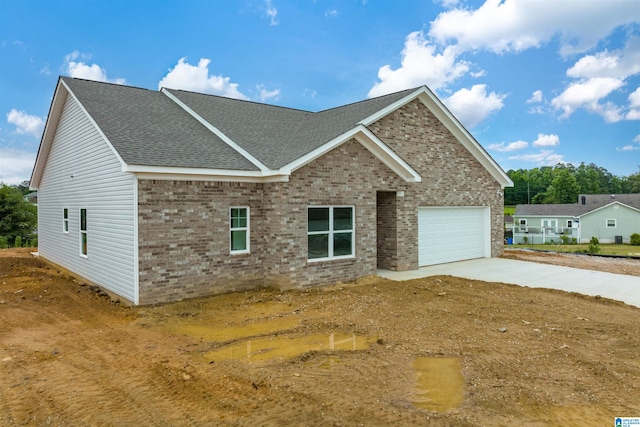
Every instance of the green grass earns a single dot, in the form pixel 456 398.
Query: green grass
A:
pixel 605 249
pixel 510 210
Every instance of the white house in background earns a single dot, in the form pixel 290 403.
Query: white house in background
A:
pixel 612 218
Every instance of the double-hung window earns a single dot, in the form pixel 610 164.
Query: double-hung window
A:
pixel 522 226
pixel 65 220
pixel 239 229
pixel 611 223
pixel 83 233
pixel 330 232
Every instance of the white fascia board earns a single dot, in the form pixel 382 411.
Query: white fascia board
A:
pixel 198 174
pixel 244 153
pixel 431 101
pixel 610 204
pixel 55 111
pixel 365 137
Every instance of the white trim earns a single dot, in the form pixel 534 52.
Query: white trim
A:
pixel 607 205
pixel 615 223
pixel 65 221
pixel 331 233
pixel 431 101
pixel 197 174
pixel 216 131
pixel 523 227
pixel 365 137
pixel 84 232
pixel 247 249
pixel 136 245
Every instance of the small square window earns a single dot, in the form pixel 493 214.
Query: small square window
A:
pixel 611 223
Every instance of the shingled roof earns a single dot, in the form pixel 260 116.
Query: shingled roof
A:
pixel 171 132
pixel 591 203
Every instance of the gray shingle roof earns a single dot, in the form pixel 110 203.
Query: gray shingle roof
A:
pixel 148 128
pixel 591 202
pixel 277 136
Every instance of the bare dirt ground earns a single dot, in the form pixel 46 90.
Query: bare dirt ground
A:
pixel 437 351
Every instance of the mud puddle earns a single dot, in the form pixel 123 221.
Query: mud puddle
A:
pixel 439 383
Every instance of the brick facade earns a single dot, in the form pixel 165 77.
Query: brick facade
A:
pixel 183 226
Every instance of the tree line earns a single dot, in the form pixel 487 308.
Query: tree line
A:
pixel 563 183
pixel 18 217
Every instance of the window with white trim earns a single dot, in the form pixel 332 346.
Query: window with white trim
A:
pixel 522 225
pixel 84 248
pixel 611 223
pixel 239 229
pixel 569 223
pixel 330 232
pixel 65 220
pixel 550 223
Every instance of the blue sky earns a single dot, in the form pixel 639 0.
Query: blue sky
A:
pixel 537 82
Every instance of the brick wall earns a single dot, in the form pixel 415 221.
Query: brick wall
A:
pixel 184 225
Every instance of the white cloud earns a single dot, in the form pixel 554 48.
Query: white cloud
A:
pixel 637 139
pixel 472 106
pixel 15 166
pixel 421 63
pixel 634 106
pixel 196 78
pixel 266 95
pixel 25 123
pixel 617 64
pixel 535 97
pixel 543 158
pixel 517 25
pixel 587 94
pixel 272 12
pixel 543 140
pixel 331 13
pixel 629 148
pixel 512 146
pixel 81 70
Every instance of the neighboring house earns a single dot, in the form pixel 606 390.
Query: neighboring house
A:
pixel 163 195
pixel 32 197
pixel 612 218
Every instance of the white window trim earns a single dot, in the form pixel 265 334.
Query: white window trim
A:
pixel 522 225
pixel 65 221
pixel 569 223
pixel 83 232
pixel 331 232
pixel 553 223
pixel 247 229
pixel 615 223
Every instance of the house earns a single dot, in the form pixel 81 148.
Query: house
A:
pixel 158 196
pixel 612 218
pixel 31 197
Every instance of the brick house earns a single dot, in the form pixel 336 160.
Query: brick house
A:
pixel 158 196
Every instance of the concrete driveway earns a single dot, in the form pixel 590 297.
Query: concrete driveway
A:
pixel 534 275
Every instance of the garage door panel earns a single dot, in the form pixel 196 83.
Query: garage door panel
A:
pixel 452 234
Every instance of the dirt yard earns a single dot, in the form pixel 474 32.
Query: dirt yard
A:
pixel 438 351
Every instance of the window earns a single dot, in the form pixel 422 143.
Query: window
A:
pixel 83 233
pixel 611 223
pixel 330 232
pixel 569 223
pixel 522 225
pixel 239 230
pixel 65 220
pixel 550 223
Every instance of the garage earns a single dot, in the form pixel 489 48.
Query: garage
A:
pixel 448 234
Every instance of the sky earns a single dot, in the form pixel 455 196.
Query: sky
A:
pixel 536 82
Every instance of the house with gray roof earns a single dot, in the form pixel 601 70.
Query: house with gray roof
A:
pixel 158 196
pixel 612 218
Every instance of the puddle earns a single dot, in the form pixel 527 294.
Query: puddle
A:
pixel 213 332
pixel 286 347
pixel 439 383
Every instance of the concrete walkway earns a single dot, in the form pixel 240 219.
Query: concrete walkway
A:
pixel 534 275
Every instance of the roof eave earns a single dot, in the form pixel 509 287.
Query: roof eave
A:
pixel 201 174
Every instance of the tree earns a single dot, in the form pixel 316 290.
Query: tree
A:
pixel 18 218
pixel 564 188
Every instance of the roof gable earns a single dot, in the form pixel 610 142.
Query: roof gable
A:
pixel 592 203
pixel 185 133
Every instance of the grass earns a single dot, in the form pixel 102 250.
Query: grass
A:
pixel 509 210
pixel 605 249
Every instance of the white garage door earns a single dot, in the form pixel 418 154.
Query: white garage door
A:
pixel 453 234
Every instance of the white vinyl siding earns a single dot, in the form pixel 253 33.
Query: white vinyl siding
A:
pixel 448 234
pixel 82 172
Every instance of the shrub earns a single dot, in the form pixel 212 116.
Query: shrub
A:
pixel 33 243
pixel 18 242
pixel 3 242
pixel 594 246
pixel 635 239
pixel 525 239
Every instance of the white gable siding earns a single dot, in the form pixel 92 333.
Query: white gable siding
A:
pixel 98 185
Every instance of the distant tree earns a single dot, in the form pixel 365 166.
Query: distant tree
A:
pixel 564 188
pixel 18 218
